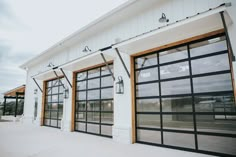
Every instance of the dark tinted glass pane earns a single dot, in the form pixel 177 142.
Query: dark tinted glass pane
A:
pixel 217 123
pixel 47 114
pixel 54 106
pixel 177 104
pixel 214 103
pixel 60 107
pixel 54 114
pixel 174 54
pixel 146 61
pixel 107 118
pixel 94 73
pixel 93 128
pixel 93 94
pixel 81 116
pixel 107 93
pixel 93 117
pixel 81 106
pixel 82 76
pixel 176 87
pixel 178 122
pixel 93 105
pixel 147 105
pixel 107 81
pixel 107 105
pixel 212 83
pixel 174 70
pixel 80 126
pixel 179 139
pixel 210 64
pixel 151 89
pixel 147 75
pixel 208 46
pixel 94 83
pixel 149 136
pixel 81 85
pixel 217 144
pixel 148 120
pixel 106 130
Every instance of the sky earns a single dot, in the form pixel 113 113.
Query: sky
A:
pixel 28 27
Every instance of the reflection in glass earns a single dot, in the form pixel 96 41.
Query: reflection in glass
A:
pixel 81 116
pixel 179 139
pixel 178 121
pixel 146 61
pixel 93 117
pixel 177 104
pixel 81 85
pixel 105 71
pixel 151 89
pixel 149 136
pixel 93 128
pixel 210 64
pixel 145 75
pixel 174 70
pixel 93 83
pixel 107 118
pixel 94 73
pixel 80 126
pixel 107 81
pixel 208 46
pixel 107 93
pixel 147 105
pixel 107 105
pixel 212 83
pixel 81 76
pixel 148 121
pixel 217 144
pixel 81 106
pixel 176 87
pixel 173 55
pixel 81 95
pixel 93 105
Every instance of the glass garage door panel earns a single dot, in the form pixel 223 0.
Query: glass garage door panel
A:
pixel 184 97
pixel 94 102
pixel 53 108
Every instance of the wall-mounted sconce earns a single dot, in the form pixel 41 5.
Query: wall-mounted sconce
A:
pixel 120 86
pixel 86 49
pixel 35 91
pixel 50 65
pixel 66 93
pixel 163 18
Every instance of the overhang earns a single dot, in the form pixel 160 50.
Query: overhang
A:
pixel 49 74
pixel 89 60
pixel 199 24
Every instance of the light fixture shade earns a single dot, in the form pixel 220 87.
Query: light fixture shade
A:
pixel 163 18
pixel 120 86
pixel 86 49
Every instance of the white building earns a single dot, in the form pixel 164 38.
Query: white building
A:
pixel 177 66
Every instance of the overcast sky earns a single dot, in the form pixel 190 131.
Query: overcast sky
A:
pixel 28 27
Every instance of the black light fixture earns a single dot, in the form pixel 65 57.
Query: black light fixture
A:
pixel 86 49
pixel 50 65
pixel 163 18
pixel 66 93
pixel 120 86
pixel 35 91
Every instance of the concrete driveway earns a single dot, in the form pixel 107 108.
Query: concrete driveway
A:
pixel 18 140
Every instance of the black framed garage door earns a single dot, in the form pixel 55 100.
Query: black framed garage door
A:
pixel 53 108
pixel 94 101
pixel 184 98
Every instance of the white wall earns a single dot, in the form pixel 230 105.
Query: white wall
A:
pixel 143 21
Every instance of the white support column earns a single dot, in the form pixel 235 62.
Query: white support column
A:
pixel 67 105
pixel 122 128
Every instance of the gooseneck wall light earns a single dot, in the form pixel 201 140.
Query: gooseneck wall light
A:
pixel 86 49
pixel 163 18
pixel 120 86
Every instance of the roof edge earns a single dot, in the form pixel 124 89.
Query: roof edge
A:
pixel 98 20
